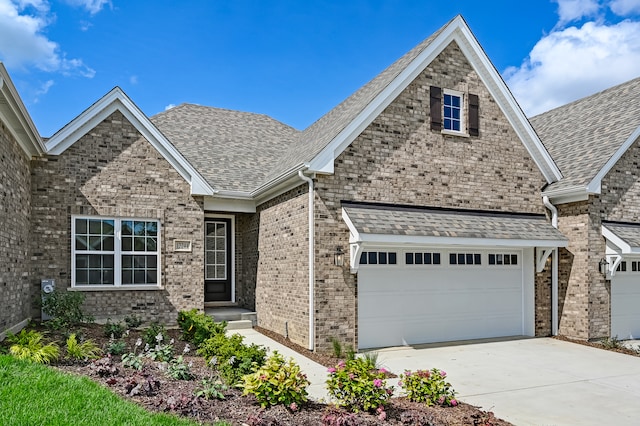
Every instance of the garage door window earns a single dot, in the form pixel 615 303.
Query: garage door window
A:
pixel 378 258
pixel 465 259
pixel 422 258
pixel 622 267
pixel 503 259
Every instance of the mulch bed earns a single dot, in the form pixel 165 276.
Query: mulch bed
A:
pixel 599 345
pixel 151 389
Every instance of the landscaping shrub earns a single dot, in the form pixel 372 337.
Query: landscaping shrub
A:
pixel 197 326
pixel 211 389
pixel 114 330
pixel 230 357
pixel 177 369
pixel 81 351
pixel 28 345
pixel 428 386
pixel 65 309
pixel 154 334
pixel 116 347
pixel 277 382
pixel 133 321
pixel 353 385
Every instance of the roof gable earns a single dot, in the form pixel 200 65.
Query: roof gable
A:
pixel 587 137
pixel 15 116
pixel 328 137
pixel 116 100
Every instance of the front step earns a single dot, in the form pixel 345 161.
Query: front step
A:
pixel 232 314
pixel 239 325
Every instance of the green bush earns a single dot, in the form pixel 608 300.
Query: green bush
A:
pixel 177 369
pixel 197 326
pixel 116 347
pixel 154 335
pixel 211 389
pixel 113 329
pixel 28 345
pixel 353 385
pixel 277 382
pixel 230 357
pixel 82 351
pixel 65 309
pixel 428 386
pixel 133 321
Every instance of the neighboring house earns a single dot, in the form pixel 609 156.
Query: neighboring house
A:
pixel 19 141
pixel 412 212
pixel 595 142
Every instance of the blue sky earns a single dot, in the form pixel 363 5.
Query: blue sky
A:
pixel 295 60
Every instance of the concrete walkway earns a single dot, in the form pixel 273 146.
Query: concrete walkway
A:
pixel 539 381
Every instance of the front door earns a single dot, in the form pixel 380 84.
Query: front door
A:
pixel 217 253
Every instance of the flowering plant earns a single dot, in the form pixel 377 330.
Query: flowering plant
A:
pixel 428 386
pixel 357 387
pixel 277 382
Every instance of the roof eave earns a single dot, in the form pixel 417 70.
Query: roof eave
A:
pixel 16 117
pixel 117 100
pixel 458 31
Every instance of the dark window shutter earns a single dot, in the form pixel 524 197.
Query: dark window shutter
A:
pixel 474 115
pixel 435 106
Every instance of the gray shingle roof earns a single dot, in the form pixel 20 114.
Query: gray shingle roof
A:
pixel 408 221
pixel 629 233
pixel 232 150
pixel 238 151
pixel 581 136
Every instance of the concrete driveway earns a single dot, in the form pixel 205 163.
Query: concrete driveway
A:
pixel 539 381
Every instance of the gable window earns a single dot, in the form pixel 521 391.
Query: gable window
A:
pixel 115 252
pixel 452 112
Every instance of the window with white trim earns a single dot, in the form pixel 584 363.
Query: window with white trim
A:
pixel 115 252
pixel 378 258
pixel 453 111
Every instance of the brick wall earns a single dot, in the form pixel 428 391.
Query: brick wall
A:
pixel 113 171
pixel 15 211
pixel 282 291
pixel 398 159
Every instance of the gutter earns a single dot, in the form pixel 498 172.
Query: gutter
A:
pixel 309 180
pixel 554 269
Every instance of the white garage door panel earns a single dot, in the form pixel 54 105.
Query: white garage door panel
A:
pixel 405 305
pixel 625 306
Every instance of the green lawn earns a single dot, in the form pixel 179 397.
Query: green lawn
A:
pixel 32 394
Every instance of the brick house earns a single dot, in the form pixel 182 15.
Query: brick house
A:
pixel 595 142
pixel 19 141
pixel 412 212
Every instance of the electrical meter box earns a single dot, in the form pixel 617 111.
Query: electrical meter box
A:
pixel 47 287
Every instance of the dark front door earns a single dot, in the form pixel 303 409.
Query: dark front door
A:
pixel 217 254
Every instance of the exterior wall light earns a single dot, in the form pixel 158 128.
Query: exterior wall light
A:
pixel 604 266
pixel 338 257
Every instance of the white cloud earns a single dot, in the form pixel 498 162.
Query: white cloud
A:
pixel 168 107
pixel 92 6
pixel 569 64
pixel 625 7
pixel 23 42
pixel 133 79
pixel 573 10
pixel 43 90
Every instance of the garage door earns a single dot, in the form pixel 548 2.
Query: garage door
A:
pixel 625 301
pixel 411 297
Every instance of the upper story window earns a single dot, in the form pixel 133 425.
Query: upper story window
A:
pixel 115 252
pixel 453 111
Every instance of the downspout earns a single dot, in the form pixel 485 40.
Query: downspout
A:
pixel 309 180
pixel 554 269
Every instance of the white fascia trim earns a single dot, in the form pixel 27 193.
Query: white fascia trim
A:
pixel 624 247
pixel 567 195
pixel 117 100
pixel 459 32
pixel 594 187
pixel 504 98
pixel 455 241
pixel 235 205
pixel 28 136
